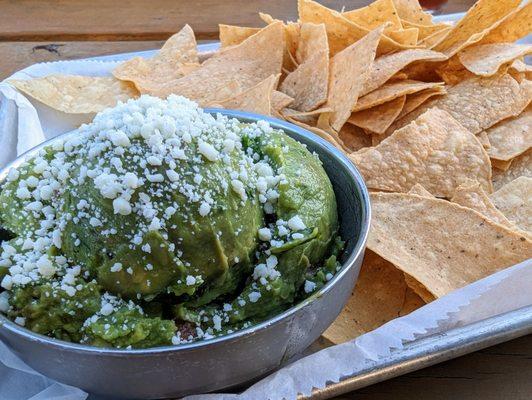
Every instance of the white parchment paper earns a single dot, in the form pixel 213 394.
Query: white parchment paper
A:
pixel 25 123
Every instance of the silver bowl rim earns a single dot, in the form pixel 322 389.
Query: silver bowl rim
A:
pixel 338 156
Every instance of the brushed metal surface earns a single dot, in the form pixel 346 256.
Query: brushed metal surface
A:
pixel 223 362
pixel 435 349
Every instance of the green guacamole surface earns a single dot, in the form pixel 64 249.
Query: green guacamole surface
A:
pixel 159 224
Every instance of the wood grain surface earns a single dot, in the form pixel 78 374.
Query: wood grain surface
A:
pixel 32 20
pixel 34 31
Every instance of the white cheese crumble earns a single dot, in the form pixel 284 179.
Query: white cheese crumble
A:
pixel 296 223
pixel 309 286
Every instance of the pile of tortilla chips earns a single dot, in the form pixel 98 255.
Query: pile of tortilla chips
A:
pixel 436 117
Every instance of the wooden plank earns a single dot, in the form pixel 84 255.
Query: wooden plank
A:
pixel 18 55
pixel 52 20
pixel 499 372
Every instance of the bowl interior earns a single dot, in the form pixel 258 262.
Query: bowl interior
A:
pixel 353 211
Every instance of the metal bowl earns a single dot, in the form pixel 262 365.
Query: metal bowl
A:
pixel 222 362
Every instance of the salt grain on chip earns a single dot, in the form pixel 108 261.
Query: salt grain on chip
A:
pixel 434 151
pixel 76 94
pixel 442 245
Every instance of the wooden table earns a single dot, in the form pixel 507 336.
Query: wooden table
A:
pixel 34 31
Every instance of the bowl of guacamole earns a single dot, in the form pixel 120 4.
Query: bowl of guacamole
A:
pixel 220 241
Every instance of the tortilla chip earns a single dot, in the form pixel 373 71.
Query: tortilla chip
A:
pixel 231 35
pixel 486 59
pixel 478 103
pixel 333 139
pixel 390 91
pixel 500 164
pixel 379 296
pixel 407 37
pixel 354 138
pixel 520 70
pixel 514 26
pixel 385 67
pixel 483 138
pixel 249 63
pixel 354 61
pixel 420 290
pixel 511 137
pixel 74 94
pixel 341 32
pixel 411 11
pixel 165 65
pixel 434 150
pixel 400 76
pixel 470 194
pixel 307 117
pixel 256 99
pixel 308 83
pixel 415 100
pixel 291 39
pixel 280 100
pixel 378 119
pixel 432 40
pixel 375 14
pixel 453 72
pixel 483 15
pixel 440 244
pixel 425 30
pixel 514 200
pixel 520 166
pixel 420 191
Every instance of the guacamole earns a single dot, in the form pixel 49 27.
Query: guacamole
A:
pixel 161 224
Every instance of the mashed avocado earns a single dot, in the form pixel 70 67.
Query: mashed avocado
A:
pixel 160 224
